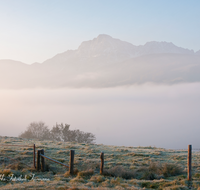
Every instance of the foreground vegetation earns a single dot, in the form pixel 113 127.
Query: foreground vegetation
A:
pixel 125 167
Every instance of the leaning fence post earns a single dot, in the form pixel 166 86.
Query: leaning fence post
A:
pixel 102 163
pixel 71 163
pixel 38 159
pixel 189 164
pixel 42 161
pixel 34 156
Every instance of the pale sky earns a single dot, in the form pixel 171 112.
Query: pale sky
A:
pixel 36 30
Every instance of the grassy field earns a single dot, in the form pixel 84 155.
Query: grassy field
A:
pixel 125 167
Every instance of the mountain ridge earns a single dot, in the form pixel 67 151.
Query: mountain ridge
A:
pixel 105 62
pixel 97 46
pixel 104 46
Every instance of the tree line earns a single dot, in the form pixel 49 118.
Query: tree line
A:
pixel 59 132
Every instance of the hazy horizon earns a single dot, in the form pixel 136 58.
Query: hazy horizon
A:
pixel 139 115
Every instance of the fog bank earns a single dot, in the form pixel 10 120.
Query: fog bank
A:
pixel 143 115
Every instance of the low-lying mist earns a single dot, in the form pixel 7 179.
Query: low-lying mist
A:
pixel 141 115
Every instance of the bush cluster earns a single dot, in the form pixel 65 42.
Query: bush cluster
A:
pixel 59 132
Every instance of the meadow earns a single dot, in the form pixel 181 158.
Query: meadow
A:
pixel 124 167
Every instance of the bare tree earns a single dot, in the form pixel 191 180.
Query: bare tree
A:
pixel 36 131
pixel 56 133
pixel 62 132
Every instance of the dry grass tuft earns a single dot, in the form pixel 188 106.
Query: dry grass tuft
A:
pixel 67 174
pixel 76 171
pixel 169 169
pixel 97 179
pixel 156 170
pixel 6 172
pixel 86 173
pixel 16 166
pixel 119 171
pixel 77 179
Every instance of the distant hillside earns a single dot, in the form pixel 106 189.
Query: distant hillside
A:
pixel 104 62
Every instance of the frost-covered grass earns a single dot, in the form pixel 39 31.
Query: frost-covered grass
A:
pixel 124 167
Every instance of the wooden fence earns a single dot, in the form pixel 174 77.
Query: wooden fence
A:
pixel 40 153
pixel 41 160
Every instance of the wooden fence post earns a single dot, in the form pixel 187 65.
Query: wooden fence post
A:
pixel 71 163
pixel 34 156
pixel 38 159
pixel 42 161
pixel 189 164
pixel 102 163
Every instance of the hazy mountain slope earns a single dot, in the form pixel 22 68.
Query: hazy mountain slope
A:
pixel 13 72
pixel 162 68
pixel 198 52
pixel 105 61
pixel 162 47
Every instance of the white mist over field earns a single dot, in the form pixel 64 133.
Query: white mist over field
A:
pixel 139 115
